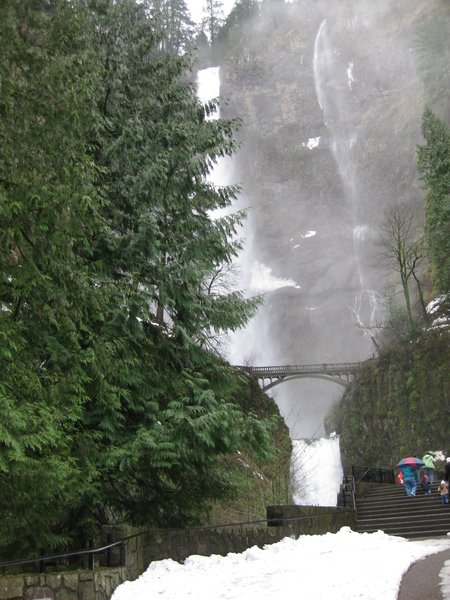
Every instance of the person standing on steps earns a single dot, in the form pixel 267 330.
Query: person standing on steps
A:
pixel 443 490
pixel 426 486
pixel 447 471
pixel 410 479
pixel 429 468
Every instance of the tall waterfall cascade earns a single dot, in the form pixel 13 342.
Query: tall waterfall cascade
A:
pixel 316 471
pixel 333 97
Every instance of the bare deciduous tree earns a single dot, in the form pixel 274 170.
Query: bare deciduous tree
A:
pixel 403 251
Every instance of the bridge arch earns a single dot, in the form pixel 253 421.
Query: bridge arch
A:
pixel 333 379
pixel 269 377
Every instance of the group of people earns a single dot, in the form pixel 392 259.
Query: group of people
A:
pixel 410 477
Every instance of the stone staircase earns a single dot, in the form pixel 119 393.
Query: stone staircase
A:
pixel 387 507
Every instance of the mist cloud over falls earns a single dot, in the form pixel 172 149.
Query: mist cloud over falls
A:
pixel 331 100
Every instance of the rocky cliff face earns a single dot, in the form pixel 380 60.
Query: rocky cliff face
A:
pixel 331 101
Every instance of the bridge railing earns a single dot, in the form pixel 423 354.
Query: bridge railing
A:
pixel 277 370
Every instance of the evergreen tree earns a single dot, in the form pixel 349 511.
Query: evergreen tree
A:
pixel 110 408
pixel 175 23
pixel 434 166
pixel 235 25
pixel 213 19
pixel 48 211
pixel 158 422
pixel 165 242
pixel 202 50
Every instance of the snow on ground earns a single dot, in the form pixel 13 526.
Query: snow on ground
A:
pixel 344 565
pixel 444 576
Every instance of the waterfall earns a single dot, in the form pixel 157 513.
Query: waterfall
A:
pixel 316 471
pixel 334 85
pixel 319 55
pixel 208 87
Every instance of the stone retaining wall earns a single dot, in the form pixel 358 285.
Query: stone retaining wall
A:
pixel 77 585
pixel 177 544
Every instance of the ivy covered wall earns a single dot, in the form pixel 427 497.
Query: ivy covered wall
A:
pixel 399 404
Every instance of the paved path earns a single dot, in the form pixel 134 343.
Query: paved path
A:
pixel 422 580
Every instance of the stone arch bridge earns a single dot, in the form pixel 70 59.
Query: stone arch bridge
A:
pixel 269 377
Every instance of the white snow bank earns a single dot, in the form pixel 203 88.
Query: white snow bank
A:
pixel 318 567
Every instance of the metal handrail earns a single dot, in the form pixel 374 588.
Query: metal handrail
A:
pixel 363 475
pixel 124 541
pixel 353 482
pixel 43 559
pixel 348 487
pixel 373 475
pixel 281 518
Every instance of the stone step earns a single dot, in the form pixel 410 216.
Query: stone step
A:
pixel 393 500
pixel 387 508
pixel 425 528
pixel 409 534
pixel 441 516
pixel 384 491
pixel 418 509
pixel 414 503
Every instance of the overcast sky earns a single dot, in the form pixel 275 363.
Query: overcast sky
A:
pixel 196 8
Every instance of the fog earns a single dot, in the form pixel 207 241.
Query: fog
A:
pixel 331 101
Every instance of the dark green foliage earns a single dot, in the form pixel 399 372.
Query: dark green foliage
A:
pixel 160 464
pixel 157 149
pixel 47 203
pixel 175 25
pixel 398 405
pixel 434 166
pixel 256 480
pixel 110 408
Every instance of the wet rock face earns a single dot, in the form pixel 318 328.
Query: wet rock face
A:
pixel 330 168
